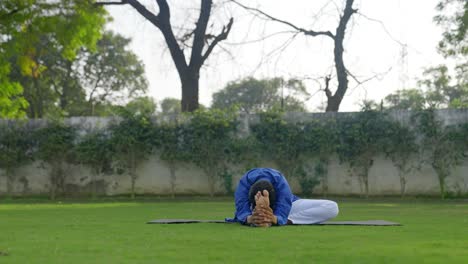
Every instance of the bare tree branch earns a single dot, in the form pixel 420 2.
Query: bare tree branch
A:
pixel 222 36
pixel 185 37
pixel 260 39
pixel 384 28
pixel 150 16
pixel 200 31
pixel 189 72
pixel 122 2
pixel 279 49
pixel 228 52
pixel 328 93
pixel 375 76
pixel 305 31
pixel 335 100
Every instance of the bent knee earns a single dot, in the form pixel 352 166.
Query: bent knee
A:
pixel 333 209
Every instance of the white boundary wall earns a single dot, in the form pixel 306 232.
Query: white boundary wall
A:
pixel 154 176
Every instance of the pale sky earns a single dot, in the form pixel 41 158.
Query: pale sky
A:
pixel 372 49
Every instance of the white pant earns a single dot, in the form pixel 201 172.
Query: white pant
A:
pixel 307 211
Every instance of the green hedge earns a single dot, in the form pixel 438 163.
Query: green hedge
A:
pixel 210 139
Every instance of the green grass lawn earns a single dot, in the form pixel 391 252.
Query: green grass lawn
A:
pixel 115 232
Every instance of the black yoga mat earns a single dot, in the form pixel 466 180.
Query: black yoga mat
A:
pixel 358 223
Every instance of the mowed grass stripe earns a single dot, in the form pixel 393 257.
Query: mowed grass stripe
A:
pixel 106 232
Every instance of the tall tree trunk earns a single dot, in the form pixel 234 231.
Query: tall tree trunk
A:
pixel 190 91
pixel 211 173
pixel 53 181
pixel 442 187
pixel 333 104
pixel 29 96
pixel 442 172
pixel 325 161
pixel 10 183
pixel 201 46
pixel 93 184
pixel 211 182
pixel 133 175
pixel 172 170
pixel 40 100
pixel 57 179
pixel 401 174
pixel 364 178
pixel 66 87
pixel 334 100
pixel 35 100
pixel 441 176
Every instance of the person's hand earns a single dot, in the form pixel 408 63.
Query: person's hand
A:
pixel 262 215
pixel 265 216
pixel 259 219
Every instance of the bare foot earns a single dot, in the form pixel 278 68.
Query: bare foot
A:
pixel 262 202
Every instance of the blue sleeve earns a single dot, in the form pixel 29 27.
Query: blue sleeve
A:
pixel 283 201
pixel 241 197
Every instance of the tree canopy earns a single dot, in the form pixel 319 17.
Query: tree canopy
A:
pixel 86 85
pixel 171 106
pixel 252 95
pixel 455 24
pixel 190 51
pixel 68 25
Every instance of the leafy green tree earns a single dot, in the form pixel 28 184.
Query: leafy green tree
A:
pixel 171 148
pixel 187 57
pixel 437 91
pixel 86 85
pixel 208 137
pixel 453 18
pixel 321 140
pixel 362 137
pixel 145 106
pixel 132 140
pixel 171 106
pixel 401 149
pixel 112 72
pixel 251 95
pixel 12 104
pixel 441 92
pixel 53 91
pixel 95 150
pixel 408 99
pixel 446 89
pixel 444 146
pixel 281 141
pixel 462 84
pixel 55 146
pixel 68 24
pixel 246 151
pixel 16 148
pixel 370 105
pixel 292 145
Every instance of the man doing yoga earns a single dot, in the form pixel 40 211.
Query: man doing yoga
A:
pixel 263 198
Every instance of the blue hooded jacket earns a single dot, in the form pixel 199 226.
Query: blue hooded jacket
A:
pixel 284 197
